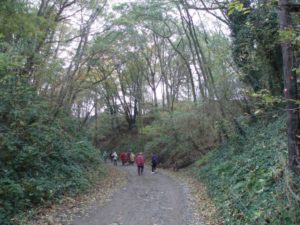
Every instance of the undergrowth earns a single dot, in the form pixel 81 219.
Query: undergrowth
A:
pixel 181 136
pixel 41 157
pixel 248 179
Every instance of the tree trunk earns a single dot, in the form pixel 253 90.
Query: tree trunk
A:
pixel 290 91
pixel 155 97
pixel 163 95
pixel 96 120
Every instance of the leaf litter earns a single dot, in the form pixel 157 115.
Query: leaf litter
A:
pixel 68 207
pixel 203 208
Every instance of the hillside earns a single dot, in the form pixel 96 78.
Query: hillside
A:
pixel 248 179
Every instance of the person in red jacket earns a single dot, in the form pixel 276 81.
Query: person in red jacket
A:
pixel 123 158
pixel 140 161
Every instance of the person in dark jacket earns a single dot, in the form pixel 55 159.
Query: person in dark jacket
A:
pixel 154 160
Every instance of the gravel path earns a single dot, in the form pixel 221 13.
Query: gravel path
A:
pixel 151 199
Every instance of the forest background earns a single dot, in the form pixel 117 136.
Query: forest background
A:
pixel 205 84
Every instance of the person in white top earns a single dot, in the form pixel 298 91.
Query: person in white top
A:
pixel 115 158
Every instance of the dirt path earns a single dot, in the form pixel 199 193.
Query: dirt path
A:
pixel 124 198
pixel 152 199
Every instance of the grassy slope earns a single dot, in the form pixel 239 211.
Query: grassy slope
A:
pixel 247 180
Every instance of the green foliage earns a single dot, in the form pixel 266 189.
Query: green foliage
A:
pixel 41 157
pixel 236 6
pixel 287 34
pixel 21 26
pixel 255 46
pixel 264 100
pixel 247 178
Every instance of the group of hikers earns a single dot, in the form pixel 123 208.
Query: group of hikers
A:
pixel 129 158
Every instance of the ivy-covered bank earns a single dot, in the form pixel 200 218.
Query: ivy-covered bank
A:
pixel 248 180
pixel 42 157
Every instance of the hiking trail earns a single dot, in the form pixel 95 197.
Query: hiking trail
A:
pixel 151 199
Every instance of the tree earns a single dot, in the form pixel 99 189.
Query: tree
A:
pixel 290 82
